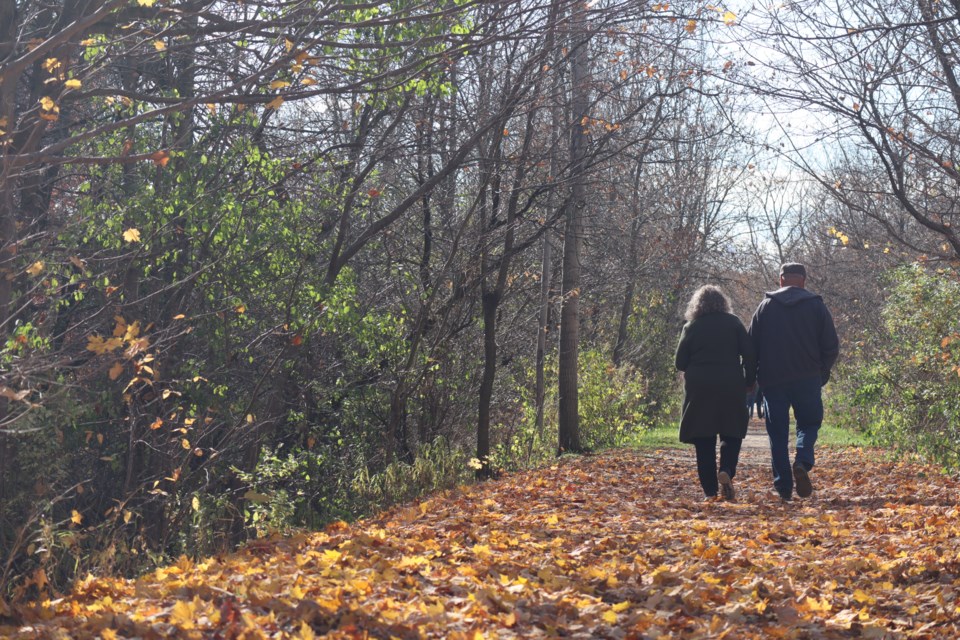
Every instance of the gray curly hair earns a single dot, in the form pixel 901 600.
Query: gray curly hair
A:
pixel 706 299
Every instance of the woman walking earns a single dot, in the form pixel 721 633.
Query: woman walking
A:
pixel 718 364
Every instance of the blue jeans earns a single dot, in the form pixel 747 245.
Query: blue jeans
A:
pixel 804 397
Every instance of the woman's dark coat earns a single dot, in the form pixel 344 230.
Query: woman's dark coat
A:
pixel 718 362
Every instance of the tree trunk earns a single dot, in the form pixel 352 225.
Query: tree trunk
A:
pixel 569 417
pixel 490 303
pixel 627 306
pixel 543 326
pixel 546 258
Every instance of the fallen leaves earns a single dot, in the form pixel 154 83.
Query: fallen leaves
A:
pixel 609 546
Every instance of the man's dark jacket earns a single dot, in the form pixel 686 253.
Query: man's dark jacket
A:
pixel 794 337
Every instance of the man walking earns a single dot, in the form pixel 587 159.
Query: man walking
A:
pixel 796 345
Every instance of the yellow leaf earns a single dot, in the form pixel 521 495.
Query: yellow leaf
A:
pixel 862 596
pixel 195 503
pixel 308 81
pixel 729 18
pixel 275 103
pixel 131 235
pixel 279 84
pixel 115 370
pixel 159 45
pixel 132 331
pixel 305 632
pixel 691 26
pixel 146 3
pixel 100 346
pixel 108 634
pixel 182 614
pixel 36 268
pixel 185 443
pixel 47 103
pixel 75 517
pixel 240 308
pixel 610 617
pixel 126 516
pixel 813 604
pixel 288 43
pixel 553 519
pixel 622 606
pixel 73 83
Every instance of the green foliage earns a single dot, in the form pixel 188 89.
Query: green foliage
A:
pixel 904 385
pixel 613 401
pixel 437 466
pixel 614 407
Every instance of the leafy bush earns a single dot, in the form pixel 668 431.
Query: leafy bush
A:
pixel 614 405
pixel 903 387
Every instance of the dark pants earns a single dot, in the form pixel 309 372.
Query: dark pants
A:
pixel 804 397
pixel 707 460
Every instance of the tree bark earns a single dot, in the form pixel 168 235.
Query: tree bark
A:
pixel 568 414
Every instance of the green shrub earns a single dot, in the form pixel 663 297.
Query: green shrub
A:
pixel 903 387
pixel 614 406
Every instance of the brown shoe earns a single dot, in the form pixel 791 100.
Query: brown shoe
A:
pixel 802 480
pixel 726 486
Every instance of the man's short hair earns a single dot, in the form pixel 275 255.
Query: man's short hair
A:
pixel 793 269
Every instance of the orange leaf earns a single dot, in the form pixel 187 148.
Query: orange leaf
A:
pixel 160 158
pixel 115 371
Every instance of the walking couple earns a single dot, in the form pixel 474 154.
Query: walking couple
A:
pixel 789 350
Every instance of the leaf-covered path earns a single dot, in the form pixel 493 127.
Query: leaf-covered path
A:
pixel 618 545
